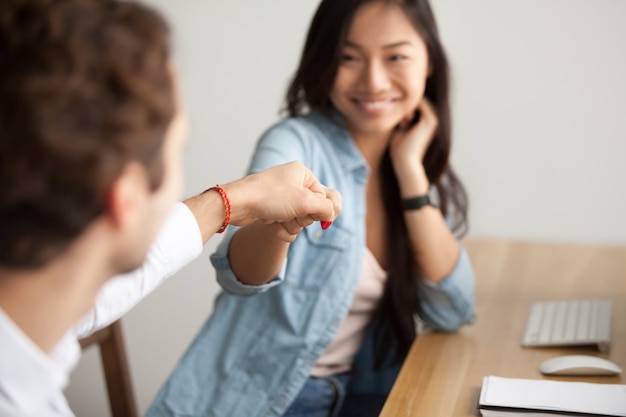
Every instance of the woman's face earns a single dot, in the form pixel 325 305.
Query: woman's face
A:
pixel 383 70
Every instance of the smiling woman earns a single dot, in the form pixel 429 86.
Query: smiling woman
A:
pixel 368 113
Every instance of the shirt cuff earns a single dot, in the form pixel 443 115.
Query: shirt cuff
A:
pixel 449 304
pixel 229 281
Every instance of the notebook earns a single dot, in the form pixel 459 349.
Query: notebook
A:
pixel 508 397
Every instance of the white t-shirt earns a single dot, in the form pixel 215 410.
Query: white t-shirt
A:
pixel 31 380
pixel 339 354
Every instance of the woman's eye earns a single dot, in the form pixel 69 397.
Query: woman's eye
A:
pixel 395 58
pixel 348 58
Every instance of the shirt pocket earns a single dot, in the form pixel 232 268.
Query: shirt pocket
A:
pixel 316 255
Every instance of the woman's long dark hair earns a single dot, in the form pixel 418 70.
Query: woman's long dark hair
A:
pixel 310 90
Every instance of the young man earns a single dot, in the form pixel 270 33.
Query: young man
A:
pixel 91 136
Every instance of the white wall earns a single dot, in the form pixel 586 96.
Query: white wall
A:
pixel 539 106
pixel 540 112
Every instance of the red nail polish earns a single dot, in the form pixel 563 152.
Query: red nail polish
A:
pixel 325 225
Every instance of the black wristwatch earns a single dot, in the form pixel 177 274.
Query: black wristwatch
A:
pixel 417 203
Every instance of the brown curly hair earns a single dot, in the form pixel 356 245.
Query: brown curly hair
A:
pixel 85 87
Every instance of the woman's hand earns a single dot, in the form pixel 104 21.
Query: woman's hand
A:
pixel 313 202
pixel 288 231
pixel 409 145
pixel 288 197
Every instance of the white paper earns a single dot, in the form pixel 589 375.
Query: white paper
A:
pixel 539 394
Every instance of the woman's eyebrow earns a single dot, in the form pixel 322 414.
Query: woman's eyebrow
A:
pixel 397 44
pixel 392 45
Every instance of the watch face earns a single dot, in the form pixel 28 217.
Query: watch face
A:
pixel 433 195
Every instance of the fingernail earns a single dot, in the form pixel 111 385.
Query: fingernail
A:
pixel 325 225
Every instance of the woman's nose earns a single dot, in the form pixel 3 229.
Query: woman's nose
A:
pixel 374 77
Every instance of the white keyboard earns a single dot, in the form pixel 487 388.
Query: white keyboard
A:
pixel 569 323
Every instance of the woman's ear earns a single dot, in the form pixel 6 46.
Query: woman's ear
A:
pixel 126 194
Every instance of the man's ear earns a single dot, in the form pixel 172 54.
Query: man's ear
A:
pixel 126 195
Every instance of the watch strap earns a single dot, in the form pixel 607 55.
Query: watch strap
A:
pixel 416 203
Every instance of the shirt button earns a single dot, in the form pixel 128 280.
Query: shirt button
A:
pixel 283 401
pixel 317 234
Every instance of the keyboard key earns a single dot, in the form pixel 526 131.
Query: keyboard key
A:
pixel 534 324
pixel 582 329
pixel 547 320
pixel 560 314
pixel 569 329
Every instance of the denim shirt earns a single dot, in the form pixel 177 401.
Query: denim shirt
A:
pixel 256 350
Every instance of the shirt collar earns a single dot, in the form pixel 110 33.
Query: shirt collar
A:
pixel 333 125
pixel 29 378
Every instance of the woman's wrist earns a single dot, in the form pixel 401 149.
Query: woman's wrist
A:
pixel 413 182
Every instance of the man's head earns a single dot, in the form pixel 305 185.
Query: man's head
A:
pixel 87 125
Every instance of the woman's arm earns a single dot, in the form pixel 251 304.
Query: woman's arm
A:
pixel 257 251
pixel 435 248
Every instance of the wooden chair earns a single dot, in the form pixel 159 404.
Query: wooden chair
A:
pixel 115 366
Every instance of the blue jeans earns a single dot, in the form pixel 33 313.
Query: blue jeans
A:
pixel 320 397
pixel 327 397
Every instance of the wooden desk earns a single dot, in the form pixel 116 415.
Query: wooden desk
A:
pixel 443 373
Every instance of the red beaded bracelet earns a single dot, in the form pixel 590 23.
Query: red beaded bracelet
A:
pixel 226 202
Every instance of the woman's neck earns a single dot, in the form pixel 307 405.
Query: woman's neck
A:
pixel 372 147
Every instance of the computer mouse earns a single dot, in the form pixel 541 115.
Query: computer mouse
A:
pixel 579 365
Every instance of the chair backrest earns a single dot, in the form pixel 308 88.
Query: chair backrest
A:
pixel 115 366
